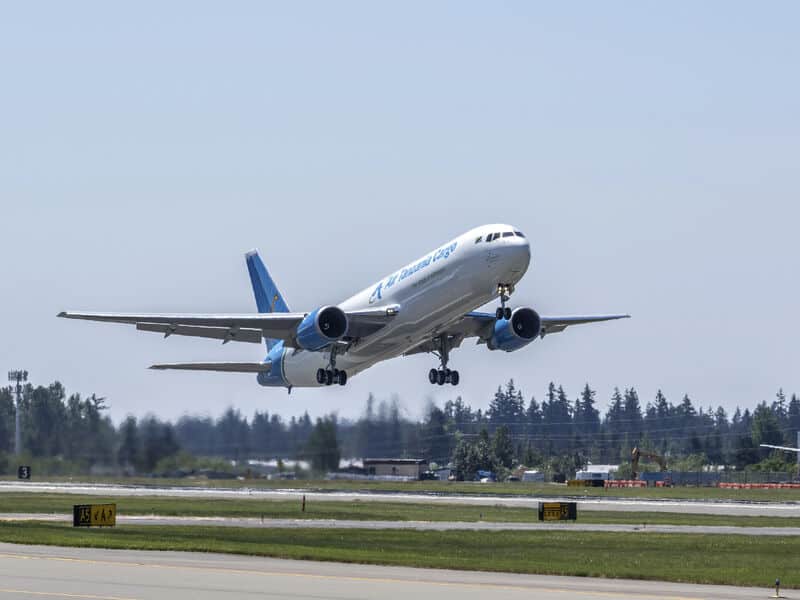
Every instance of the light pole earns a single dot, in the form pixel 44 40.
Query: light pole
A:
pixel 19 377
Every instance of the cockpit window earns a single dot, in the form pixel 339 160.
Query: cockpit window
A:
pixel 508 234
pixel 480 237
pixel 519 234
pixel 495 236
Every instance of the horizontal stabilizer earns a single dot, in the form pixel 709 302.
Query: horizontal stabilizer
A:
pixel 228 367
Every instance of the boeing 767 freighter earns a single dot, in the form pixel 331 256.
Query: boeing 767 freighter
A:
pixel 427 306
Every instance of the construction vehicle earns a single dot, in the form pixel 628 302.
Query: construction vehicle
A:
pixel 636 454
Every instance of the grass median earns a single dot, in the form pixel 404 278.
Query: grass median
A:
pixel 720 559
pixel 11 503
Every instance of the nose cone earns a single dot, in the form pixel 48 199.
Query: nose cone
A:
pixel 517 257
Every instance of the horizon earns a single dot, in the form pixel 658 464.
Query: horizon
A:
pixel 602 407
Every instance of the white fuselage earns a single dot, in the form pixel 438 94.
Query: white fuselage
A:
pixel 430 293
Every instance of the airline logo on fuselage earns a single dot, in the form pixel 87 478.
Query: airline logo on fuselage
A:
pixel 440 254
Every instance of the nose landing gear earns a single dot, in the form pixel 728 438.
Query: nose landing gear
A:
pixel 505 291
pixel 443 375
pixel 331 375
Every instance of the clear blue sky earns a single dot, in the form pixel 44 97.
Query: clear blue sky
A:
pixel 651 152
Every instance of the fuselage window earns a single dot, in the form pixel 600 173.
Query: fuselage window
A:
pixel 519 234
pixel 508 234
pixel 480 237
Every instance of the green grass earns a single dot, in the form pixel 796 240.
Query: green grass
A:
pixel 356 510
pixel 446 487
pixel 720 559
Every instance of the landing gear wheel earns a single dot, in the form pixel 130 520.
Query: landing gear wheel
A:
pixel 342 377
pixel 328 377
pixel 433 376
pixel 505 291
pixel 321 376
pixel 441 377
pixel 454 377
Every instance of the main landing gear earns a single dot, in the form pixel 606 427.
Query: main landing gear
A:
pixel 331 375
pixel 443 375
pixel 503 311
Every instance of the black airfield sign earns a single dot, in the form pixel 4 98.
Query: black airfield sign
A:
pixel 94 515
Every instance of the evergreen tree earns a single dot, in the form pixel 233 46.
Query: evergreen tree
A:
pixel 433 436
pixel 533 418
pixel 632 415
pixel 129 448
pixel 779 408
pixel 502 447
pixel 793 415
pixel 323 446
pixel 587 417
pixel 765 428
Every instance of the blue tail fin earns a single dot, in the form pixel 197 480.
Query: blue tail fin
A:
pixel 268 298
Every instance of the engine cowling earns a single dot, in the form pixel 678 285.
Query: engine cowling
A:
pixel 512 334
pixel 321 327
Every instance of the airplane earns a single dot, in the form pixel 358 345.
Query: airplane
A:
pixel 429 306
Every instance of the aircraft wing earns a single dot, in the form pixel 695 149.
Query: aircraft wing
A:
pixel 481 325
pixel 557 324
pixel 250 327
pixel 780 448
pixel 229 367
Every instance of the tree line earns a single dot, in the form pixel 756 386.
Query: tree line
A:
pixel 75 434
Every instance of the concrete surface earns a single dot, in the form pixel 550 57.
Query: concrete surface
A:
pixel 93 574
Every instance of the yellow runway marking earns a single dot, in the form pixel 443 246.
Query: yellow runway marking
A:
pixel 61 595
pixel 495 586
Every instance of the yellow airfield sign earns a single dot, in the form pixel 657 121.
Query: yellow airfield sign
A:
pixel 94 515
pixel 558 511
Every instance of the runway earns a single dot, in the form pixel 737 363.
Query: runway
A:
pixel 708 507
pixel 94 574
pixel 418 525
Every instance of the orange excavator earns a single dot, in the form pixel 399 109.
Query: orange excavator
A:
pixel 636 454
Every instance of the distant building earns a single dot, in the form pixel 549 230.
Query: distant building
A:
pixel 411 468
pixel 443 473
pixel 532 476
pixel 596 472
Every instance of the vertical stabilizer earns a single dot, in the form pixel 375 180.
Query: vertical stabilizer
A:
pixel 268 298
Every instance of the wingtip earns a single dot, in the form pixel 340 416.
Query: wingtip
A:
pixel 251 252
pixel 62 314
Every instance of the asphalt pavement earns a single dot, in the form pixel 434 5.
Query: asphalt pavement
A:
pixel 95 574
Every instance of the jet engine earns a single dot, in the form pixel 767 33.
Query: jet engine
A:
pixel 321 327
pixel 518 331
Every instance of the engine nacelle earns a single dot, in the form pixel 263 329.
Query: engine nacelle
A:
pixel 321 327
pixel 512 334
